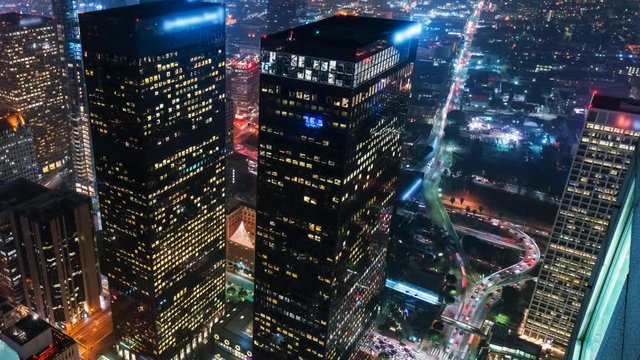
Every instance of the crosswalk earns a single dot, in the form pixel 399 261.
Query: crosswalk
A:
pixel 439 354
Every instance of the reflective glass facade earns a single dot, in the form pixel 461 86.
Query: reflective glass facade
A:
pixel 328 164
pixel 590 199
pixel 156 101
pixel 65 13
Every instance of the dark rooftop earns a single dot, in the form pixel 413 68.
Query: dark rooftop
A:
pixel 152 9
pixel 41 203
pixel 51 204
pixel 346 31
pixel 503 336
pixel 611 103
pixel 336 35
pixel 12 20
pixel 18 191
pixel 26 329
pixel 237 325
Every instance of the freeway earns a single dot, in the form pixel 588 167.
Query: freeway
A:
pixel 436 159
pixel 486 292
pixel 486 237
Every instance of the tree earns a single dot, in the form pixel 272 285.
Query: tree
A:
pixel 438 325
pixel 468 208
pixel 480 208
pixel 458 117
pixel 384 356
pixel 461 201
pixel 231 291
pixel 451 279
pixel 452 200
pixel 242 293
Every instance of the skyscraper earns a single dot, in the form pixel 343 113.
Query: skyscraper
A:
pixel 19 191
pixel 331 104
pixel 17 159
pixel 607 325
pixel 244 81
pixel 156 99
pixel 65 14
pixel 52 233
pixel 590 199
pixel 31 83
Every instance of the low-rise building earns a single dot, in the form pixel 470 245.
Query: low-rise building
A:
pixel 33 338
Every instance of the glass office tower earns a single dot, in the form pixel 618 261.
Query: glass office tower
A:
pixel 31 77
pixel 607 325
pixel 65 14
pixel 591 197
pixel 333 97
pixel 155 80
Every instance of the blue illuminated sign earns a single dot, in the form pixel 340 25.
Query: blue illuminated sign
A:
pixel 314 121
pixel 30 21
pixel 407 33
pixel 191 20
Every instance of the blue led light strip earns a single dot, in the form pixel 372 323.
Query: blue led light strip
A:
pixel 198 19
pixel 407 33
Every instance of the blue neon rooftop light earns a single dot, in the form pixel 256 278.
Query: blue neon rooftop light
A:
pixel 191 20
pixel 313 121
pixel 30 21
pixel 408 33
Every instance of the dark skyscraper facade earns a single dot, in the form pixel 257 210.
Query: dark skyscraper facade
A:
pixel 156 99
pixel 331 111
pixel 49 251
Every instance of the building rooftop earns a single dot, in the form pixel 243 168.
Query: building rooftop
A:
pixel 150 10
pixel 18 191
pixel 39 202
pixel 611 103
pixel 151 29
pixel 503 336
pixel 341 37
pixel 13 20
pixel 26 329
pixel 237 326
pixel 30 336
pixel 51 204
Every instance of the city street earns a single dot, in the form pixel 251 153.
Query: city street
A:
pixel 92 335
pixel 435 161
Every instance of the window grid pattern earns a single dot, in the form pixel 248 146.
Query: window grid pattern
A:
pixel 588 203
